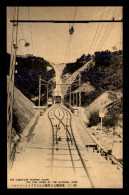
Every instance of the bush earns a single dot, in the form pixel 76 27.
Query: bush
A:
pixel 111 121
pixel 94 119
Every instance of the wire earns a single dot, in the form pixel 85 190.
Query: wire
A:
pixel 71 35
pixel 95 33
pixel 12 33
pixel 12 55
pixel 22 31
pixel 40 13
pixel 101 28
pixel 67 47
pixel 17 24
pixel 14 13
pixel 31 32
pixel 23 37
pixel 112 26
pixel 98 14
pixel 75 15
pixel 70 38
pixel 106 31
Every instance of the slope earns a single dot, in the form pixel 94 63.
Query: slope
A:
pixel 72 77
pixel 23 110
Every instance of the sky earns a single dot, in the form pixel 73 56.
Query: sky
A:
pixel 50 40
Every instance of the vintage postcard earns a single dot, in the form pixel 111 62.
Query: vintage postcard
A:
pixel 64 97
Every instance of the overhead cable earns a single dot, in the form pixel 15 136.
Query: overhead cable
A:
pixel 70 38
pixel 31 31
pixel 95 33
pixel 111 28
pixel 99 33
pixel 106 31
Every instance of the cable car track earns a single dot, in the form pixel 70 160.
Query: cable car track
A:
pixel 83 163
pixel 70 139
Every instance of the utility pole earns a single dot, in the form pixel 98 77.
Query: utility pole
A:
pixel 113 133
pixel 101 125
pixel 79 90
pixel 101 115
pixel 70 95
pixel 10 92
pixel 76 99
pixel 73 99
pixel 39 88
pixel 47 93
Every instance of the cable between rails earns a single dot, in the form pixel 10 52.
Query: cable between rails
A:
pixel 83 163
pixel 67 133
pixel 52 137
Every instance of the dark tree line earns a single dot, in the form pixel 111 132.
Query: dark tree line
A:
pixel 105 74
pixel 72 67
pixel 27 77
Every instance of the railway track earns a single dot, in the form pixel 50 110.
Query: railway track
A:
pixel 63 150
pixel 63 139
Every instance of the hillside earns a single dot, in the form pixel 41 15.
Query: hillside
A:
pixel 106 102
pixel 23 111
pixel 27 78
pixel 70 68
pixel 103 72
pixel 102 91
pixel 72 77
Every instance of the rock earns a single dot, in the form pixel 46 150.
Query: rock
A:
pixel 16 138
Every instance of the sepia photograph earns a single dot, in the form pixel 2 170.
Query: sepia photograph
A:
pixel 64 97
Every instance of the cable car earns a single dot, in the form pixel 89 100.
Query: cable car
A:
pixel 50 101
pixel 71 30
pixel 57 99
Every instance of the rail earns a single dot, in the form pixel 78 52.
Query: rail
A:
pixel 70 136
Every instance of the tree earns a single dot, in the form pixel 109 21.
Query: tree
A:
pixel 94 118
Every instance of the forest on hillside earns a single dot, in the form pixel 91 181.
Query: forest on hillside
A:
pixel 105 74
pixel 72 67
pixel 27 76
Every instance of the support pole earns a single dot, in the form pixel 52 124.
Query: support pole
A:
pixel 47 93
pixel 39 88
pixel 10 90
pixel 70 95
pixel 101 124
pixel 113 137
pixel 73 99
pixel 76 100
pixel 79 90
